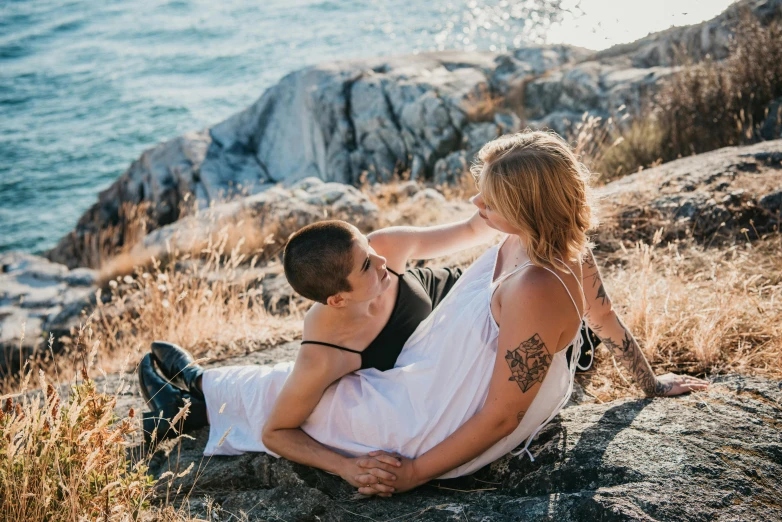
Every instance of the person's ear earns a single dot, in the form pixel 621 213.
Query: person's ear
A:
pixel 336 300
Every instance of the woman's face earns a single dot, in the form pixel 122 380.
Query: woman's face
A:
pixel 492 218
pixel 369 277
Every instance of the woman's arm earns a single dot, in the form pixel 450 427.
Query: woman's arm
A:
pixel 524 354
pixel 311 375
pixel 604 321
pixel 398 244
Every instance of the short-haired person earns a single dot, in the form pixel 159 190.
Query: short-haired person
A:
pixel 366 306
pixel 487 369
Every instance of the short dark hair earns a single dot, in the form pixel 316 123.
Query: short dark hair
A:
pixel 318 259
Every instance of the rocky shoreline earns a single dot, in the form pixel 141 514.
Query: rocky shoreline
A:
pixel 421 116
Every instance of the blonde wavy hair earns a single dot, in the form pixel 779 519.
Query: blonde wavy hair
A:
pixel 535 182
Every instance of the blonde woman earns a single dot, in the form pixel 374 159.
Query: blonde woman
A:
pixel 487 368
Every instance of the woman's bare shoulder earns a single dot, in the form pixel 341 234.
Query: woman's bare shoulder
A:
pixel 537 291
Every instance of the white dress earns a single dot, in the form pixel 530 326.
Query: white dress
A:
pixel 440 380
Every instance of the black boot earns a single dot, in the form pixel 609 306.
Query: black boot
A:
pixel 177 365
pixel 165 402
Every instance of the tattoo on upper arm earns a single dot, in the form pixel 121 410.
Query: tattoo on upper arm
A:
pixel 529 362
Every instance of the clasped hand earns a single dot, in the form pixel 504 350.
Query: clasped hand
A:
pixel 381 473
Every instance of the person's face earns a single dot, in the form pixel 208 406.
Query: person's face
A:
pixel 492 218
pixel 369 277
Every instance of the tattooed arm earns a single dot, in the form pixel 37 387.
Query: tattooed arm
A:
pixel 524 354
pixel 604 321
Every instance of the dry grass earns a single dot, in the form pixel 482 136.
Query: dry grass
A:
pixel 240 235
pixel 69 461
pixel 611 150
pixel 68 456
pixel 713 105
pixel 212 305
pixel 696 310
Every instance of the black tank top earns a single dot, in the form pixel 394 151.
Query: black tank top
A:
pixel 420 291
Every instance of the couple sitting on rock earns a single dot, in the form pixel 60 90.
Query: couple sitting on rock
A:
pixel 404 376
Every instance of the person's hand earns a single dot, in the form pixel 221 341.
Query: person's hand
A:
pixel 406 476
pixel 372 471
pixel 672 384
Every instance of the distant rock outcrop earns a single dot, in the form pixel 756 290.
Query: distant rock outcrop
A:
pixel 425 115
pixel 730 193
pixel 277 211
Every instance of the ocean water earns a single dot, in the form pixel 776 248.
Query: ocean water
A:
pixel 86 86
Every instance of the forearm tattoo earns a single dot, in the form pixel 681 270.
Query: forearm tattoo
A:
pixel 627 351
pixel 632 358
pixel 529 362
pixel 589 266
pixel 601 294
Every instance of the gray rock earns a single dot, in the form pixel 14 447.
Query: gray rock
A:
pixel 476 135
pixel 282 211
pixel 771 128
pixel 408 188
pixel 278 295
pixel 428 196
pixel 714 197
pixel 558 121
pixel 507 122
pixel 38 298
pixel 452 168
pixel 772 202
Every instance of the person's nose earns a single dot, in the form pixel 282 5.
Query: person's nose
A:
pixel 380 261
pixel 477 200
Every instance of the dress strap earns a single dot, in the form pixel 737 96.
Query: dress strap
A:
pixel 393 272
pixel 506 276
pixel 332 346
pixel 567 290
pixel 578 281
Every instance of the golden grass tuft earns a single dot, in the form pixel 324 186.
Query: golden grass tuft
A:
pixel 482 104
pixel 695 310
pixel 67 459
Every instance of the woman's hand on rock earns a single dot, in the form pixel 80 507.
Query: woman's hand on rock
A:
pixel 372 471
pixel 672 384
pixel 406 477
